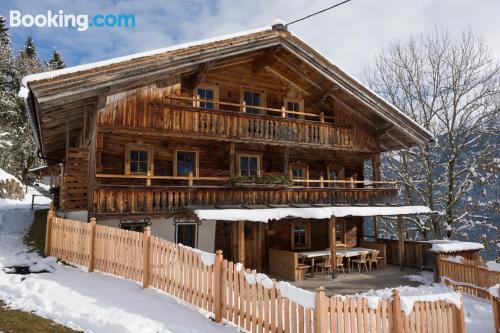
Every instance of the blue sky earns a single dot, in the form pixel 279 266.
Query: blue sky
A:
pixel 349 35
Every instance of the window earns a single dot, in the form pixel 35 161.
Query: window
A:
pixel 299 171
pixel 249 165
pixel 296 106
pixel 340 232
pixel 300 235
pixel 186 162
pixel 206 92
pixel 335 173
pixel 252 98
pixel 138 159
pixel 186 234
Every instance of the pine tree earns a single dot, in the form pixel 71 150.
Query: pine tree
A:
pixel 56 61
pixel 4 36
pixel 29 48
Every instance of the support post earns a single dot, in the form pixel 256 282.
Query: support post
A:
pixel 333 246
pixel 460 314
pixel 232 159
pixel 145 261
pixel 218 301
pixel 241 242
pixel 48 229
pixel 190 181
pixel 376 173
pixel 92 244
pixel 401 243
pixel 320 318
pixel 397 319
pixel 286 154
pixel 495 302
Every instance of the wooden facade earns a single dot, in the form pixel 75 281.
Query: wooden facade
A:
pixel 156 135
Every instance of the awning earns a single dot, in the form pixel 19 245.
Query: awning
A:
pixel 267 214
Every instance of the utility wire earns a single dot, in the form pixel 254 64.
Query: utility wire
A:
pixel 316 13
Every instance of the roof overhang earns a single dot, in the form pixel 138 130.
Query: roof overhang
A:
pixel 81 86
pixel 265 215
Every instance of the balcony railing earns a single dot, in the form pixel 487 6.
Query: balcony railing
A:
pixel 181 116
pixel 127 199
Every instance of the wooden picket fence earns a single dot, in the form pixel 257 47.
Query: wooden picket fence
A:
pixel 229 291
pixel 473 279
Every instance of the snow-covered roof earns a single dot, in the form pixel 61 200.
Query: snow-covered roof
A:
pixel 267 214
pixel 117 60
pixel 447 246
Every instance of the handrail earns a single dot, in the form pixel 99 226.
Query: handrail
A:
pixel 330 181
pixel 139 176
pixel 243 106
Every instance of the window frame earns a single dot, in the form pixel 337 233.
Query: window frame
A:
pixel 307 228
pixel 299 165
pixel 206 86
pixel 243 154
pixel 196 166
pixel 196 225
pixel 262 99
pixel 342 225
pixel 139 147
pixel 300 101
pixel 340 172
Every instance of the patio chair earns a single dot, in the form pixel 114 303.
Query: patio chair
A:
pixel 339 262
pixel 325 266
pixel 361 261
pixel 373 259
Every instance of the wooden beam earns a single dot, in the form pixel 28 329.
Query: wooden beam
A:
pixel 376 172
pixel 241 241
pixel 286 154
pixel 333 246
pixel 198 76
pixel 298 72
pixel 401 243
pixel 287 80
pixel 232 159
pixel 375 227
pixel 266 59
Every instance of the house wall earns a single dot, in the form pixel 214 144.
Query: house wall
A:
pixel 165 228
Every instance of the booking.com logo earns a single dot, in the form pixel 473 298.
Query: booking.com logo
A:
pixel 60 20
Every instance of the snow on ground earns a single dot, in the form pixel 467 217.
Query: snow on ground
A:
pixel 478 311
pixel 92 302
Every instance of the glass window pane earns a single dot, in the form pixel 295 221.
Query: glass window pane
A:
pixel 143 166
pixel 134 155
pixel 185 163
pixel 133 167
pixel 186 234
pixel 244 166
pixel 209 94
pixel 143 156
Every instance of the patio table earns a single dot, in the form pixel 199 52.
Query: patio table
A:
pixel 348 252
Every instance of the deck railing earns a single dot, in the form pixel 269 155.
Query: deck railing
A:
pixel 116 199
pixel 234 294
pixel 473 279
pixel 181 116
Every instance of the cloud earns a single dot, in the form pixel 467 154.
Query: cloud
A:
pixel 349 35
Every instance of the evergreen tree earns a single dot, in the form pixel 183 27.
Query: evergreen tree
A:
pixel 4 36
pixel 29 48
pixel 56 61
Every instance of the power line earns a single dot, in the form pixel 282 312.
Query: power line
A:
pixel 318 12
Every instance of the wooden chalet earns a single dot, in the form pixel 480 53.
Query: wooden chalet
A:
pixel 253 121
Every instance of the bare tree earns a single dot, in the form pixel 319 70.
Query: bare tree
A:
pixel 451 86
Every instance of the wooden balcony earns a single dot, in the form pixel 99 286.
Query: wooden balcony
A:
pixel 120 199
pixel 229 122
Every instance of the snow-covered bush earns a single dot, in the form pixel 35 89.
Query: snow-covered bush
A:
pixel 11 189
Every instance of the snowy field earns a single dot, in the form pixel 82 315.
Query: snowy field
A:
pixel 99 302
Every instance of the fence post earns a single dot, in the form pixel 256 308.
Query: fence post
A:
pixel 495 302
pixel 460 314
pixel 320 312
pixel 48 229
pixel 92 244
pixel 145 261
pixel 218 285
pixel 397 320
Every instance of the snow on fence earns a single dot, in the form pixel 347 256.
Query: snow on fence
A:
pixel 473 279
pixel 230 292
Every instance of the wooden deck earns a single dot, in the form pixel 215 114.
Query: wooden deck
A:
pixel 352 283
pixel 114 199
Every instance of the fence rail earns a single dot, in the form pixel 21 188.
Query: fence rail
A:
pixel 473 279
pixel 249 300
